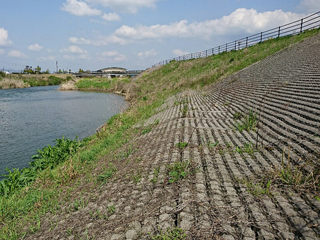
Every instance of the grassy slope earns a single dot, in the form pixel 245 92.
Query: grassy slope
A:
pixel 21 213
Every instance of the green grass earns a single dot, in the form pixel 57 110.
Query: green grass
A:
pixel 21 211
pixel 103 84
pixel 170 234
pixel 180 170
pixel 108 174
pixel 181 145
pixel 249 122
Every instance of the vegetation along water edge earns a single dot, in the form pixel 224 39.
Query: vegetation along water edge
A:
pixel 8 81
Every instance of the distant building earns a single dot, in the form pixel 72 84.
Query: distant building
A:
pixel 112 72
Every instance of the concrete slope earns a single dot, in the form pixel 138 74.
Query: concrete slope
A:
pixel 213 201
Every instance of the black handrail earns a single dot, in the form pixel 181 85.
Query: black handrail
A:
pixel 296 27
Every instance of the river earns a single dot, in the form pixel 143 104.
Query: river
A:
pixel 32 118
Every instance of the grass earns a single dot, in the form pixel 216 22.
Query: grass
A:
pixel 258 189
pixel 104 178
pixel 289 175
pixel 103 84
pixel 156 171
pixel 247 148
pixel 170 234
pixel 249 122
pixel 181 145
pixel 180 170
pixel 296 176
pixel 32 80
pixel 21 211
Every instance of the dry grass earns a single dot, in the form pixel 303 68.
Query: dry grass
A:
pixel 8 83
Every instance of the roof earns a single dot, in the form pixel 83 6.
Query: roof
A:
pixel 113 68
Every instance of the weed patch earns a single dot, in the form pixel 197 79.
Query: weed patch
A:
pixel 181 145
pixel 180 170
pixel 296 176
pixel 104 178
pixel 249 122
pixel 170 234
pixel 258 188
pixel 156 171
pixel 247 148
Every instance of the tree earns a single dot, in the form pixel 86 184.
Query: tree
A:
pixel 80 70
pixel 37 69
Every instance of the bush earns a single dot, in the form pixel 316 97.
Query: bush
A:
pixel 48 157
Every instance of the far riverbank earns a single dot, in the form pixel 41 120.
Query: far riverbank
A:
pixel 11 81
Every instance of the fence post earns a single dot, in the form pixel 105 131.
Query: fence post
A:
pixel 261 37
pixel 226 47
pixel 235 45
pixel 219 50
pixel 301 25
pixel 279 32
pixel 246 42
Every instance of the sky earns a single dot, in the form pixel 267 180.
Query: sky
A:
pixel 133 34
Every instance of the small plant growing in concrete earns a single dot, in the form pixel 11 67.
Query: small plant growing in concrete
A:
pixel 108 174
pixel 171 233
pixel 177 171
pixel 249 123
pixel 181 145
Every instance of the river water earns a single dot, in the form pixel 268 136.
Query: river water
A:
pixel 32 118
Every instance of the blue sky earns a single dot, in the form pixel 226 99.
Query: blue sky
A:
pixel 134 34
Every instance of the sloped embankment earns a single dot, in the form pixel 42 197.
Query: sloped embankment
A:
pixel 223 167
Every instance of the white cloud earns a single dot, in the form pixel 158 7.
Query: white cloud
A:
pixel 111 56
pixel 4 37
pixel 240 21
pixel 179 52
pixel 68 57
pixel 126 6
pixel 99 41
pixel 17 54
pixel 36 47
pixel 309 6
pixel 111 17
pixel 147 54
pixel 120 58
pixel 73 49
pixel 79 8
pixel 49 58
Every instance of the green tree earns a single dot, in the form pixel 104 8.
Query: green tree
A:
pixel 37 69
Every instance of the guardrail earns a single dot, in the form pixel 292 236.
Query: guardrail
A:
pixel 296 27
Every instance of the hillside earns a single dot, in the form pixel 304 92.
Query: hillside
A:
pixel 225 147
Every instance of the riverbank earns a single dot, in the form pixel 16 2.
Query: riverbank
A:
pixel 201 154
pixel 32 80
pixel 122 86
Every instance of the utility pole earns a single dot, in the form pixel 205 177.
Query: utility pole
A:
pixel 57 66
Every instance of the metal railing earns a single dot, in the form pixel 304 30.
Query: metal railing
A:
pixel 293 28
